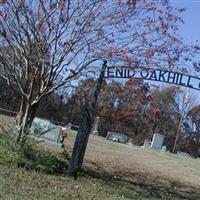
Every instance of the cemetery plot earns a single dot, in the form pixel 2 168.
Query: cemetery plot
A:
pixel 136 164
pixel 127 161
pixel 117 137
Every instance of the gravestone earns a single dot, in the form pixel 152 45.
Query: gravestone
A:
pixel 163 149
pixel 157 141
pixel 95 132
pixel 117 137
pixel 130 142
pixel 44 129
pixel 69 126
pixel 183 154
pixel 147 144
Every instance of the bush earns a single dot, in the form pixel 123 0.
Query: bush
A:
pixel 31 156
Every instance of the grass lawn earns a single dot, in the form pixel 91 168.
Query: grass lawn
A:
pixel 111 171
pixel 20 184
pixel 115 158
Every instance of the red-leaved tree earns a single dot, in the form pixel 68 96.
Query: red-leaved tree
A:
pixel 46 44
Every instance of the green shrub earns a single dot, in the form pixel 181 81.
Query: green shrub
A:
pixel 31 156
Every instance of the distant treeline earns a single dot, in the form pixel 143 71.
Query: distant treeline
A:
pixel 133 108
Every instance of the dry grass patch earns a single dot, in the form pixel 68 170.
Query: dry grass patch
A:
pixel 141 165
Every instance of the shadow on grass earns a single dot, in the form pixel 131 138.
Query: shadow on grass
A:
pixel 142 185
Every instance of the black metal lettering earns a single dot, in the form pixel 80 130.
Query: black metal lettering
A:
pixel 171 76
pixel 129 75
pixel 125 73
pixel 153 76
pixel 180 81
pixel 144 76
pixel 110 72
pixel 188 83
pixel 162 76
pixel 119 72
pixel 177 78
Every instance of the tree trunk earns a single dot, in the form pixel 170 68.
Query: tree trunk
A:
pixel 32 115
pixel 27 121
pixel 85 129
pixel 22 109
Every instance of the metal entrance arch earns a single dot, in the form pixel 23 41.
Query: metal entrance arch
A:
pixel 160 75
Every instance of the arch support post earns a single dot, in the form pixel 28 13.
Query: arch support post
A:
pixel 85 128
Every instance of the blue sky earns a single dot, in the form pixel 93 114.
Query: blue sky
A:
pixel 190 30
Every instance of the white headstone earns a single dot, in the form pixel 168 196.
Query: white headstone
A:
pixel 183 154
pixel 95 132
pixel 45 129
pixel 130 142
pixel 147 144
pixel 117 137
pixel 69 126
pixel 157 141
pixel 163 149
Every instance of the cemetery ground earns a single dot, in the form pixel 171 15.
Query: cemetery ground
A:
pixel 111 171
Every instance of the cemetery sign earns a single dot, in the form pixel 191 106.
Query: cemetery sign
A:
pixel 160 75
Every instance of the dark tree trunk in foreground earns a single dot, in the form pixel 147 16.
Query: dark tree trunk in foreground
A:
pixel 85 129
